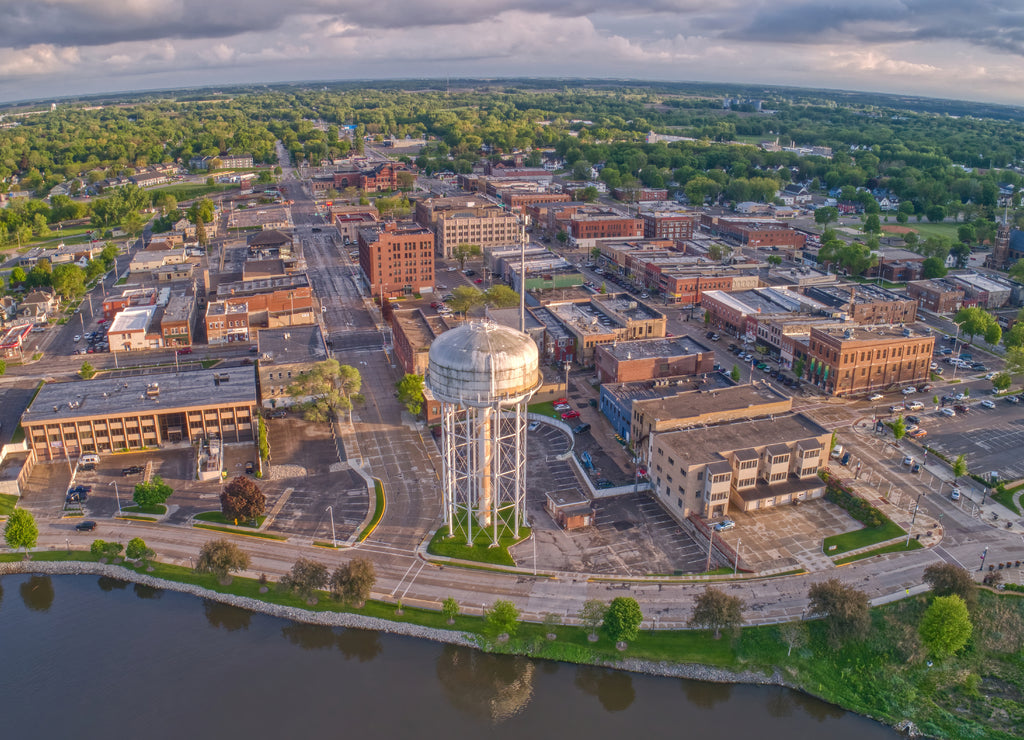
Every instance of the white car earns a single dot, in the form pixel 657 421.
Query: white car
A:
pixel 947 412
pixel 875 397
pixel 955 494
pixel 985 403
pixel 907 391
pixel 934 366
pixel 78 337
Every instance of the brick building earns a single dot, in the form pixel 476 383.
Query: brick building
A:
pixel 594 222
pixel 865 304
pixel 647 359
pixel 669 225
pixel 845 361
pixel 760 234
pixel 397 259
pixel 471 220
pixel 937 296
pixel 178 321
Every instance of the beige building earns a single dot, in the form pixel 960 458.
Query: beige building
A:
pixel 131 413
pixel 750 465
pixel 463 220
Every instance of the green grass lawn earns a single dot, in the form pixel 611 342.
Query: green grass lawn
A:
pixel 7 503
pixel 240 531
pixel 380 506
pixel 218 518
pixel 188 191
pixel 147 509
pixel 481 550
pixel 546 408
pixel 946 229
pixel 861 538
pixel 894 547
pixel 1006 498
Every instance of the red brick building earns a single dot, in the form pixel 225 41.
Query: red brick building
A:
pixel 397 259
pixel 647 359
pixel 848 361
pixel 590 223
pixel 669 225
pixel 754 233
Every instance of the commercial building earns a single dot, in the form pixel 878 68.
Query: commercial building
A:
pixel 845 361
pixel 413 332
pixel 231 319
pixel 759 234
pixel 647 359
pixel 178 320
pixel 468 220
pixel 938 295
pixel 349 219
pixel 865 303
pixel 750 465
pixel 674 225
pixel 130 330
pixel 738 313
pixel 601 320
pixel 285 354
pixel 66 420
pixel 397 259
pixel 707 405
pixel 591 223
pixel 617 399
pixel 986 291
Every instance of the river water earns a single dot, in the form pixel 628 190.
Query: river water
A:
pixel 85 657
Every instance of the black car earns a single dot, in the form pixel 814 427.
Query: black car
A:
pixel 469 273
pixel 581 428
pixel 85 526
pixel 80 489
pixel 250 467
pixel 709 334
pixel 912 419
pixel 76 498
pixel 131 470
pixel 277 414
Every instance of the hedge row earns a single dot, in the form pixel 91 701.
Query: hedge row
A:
pixel 857 507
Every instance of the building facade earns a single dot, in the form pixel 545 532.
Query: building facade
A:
pixel 843 362
pixel 397 259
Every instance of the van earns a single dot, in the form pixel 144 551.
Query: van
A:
pixel 89 459
pixel 837 452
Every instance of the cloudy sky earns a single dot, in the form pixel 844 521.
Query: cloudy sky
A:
pixel 970 49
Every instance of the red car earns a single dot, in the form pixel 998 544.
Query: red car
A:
pixel 185 351
pixel 570 415
pixel 561 401
pixel 478 281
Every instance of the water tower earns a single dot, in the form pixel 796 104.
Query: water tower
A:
pixel 484 375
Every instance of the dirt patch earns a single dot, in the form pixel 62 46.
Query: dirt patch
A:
pixel 891 229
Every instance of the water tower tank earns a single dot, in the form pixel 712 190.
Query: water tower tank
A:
pixel 484 375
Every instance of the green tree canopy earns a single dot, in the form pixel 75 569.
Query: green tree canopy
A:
pixel 327 389
pixel 592 615
pixel 464 251
pixel 716 610
pixel 501 296
pixel 306 577
pixel 21 530
pixel 946 626
pixel 352 582
pixel 946 579
pixel 843 608
pixel 974 321
pixel 502 618
pixel 410 392
pixel 221 557
pixel 623 618
pixel 153 492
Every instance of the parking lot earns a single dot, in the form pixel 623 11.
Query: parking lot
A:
pixel 992 439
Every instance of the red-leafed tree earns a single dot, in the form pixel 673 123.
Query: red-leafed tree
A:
pixel 242 499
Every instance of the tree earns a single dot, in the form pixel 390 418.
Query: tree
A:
pixel 104 549
pixel 735 373
pixel 826 215
pixel 899 428
pixel 1014 360
pixel 21 530
pixel 623 618
pixel 974 321
pixel 450 609
pixel 327 389
pixel 68 280
pixel 352 582
pixel 844 609
pixel 588 194
pixel 465 298
pixel 305 577
pixel 798 367
pixel 242 499
pixel 592 615
pixel 794 635
pixel 87 371
pixel 1002 381
pixel 502 618
pixel 501 296
pixel 946 626
pixel 1016 270
pixel 960 466
pixel 716 610
pixel 872 225
pixel 463 252
pixel 774 260
pixel 221 557
pixel 137 549
pixel 1014 337
pixel 410 392
pixel 932 268
pixel 151 493
pixel 947 579
pixel 18 276
pixel 935 213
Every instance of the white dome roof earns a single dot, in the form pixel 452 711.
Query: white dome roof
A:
pixel 483 362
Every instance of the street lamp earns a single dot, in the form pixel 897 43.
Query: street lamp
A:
pixel 334 540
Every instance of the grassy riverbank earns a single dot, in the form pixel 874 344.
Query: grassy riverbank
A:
pixel 979 693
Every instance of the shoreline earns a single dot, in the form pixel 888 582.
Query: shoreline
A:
pixel 689 671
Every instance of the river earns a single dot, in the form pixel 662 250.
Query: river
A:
pixel 89 657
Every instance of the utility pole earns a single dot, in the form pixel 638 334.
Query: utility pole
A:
pixel 982 566
pixel 711 540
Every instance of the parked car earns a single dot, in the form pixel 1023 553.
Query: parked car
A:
pixel 562 407
pixel 250 467
pixel 917 433
pixel 1013 399
pixel 277 414
pixel 954 493
pixel 561 401
pixel 910 419
pixel 534 426
pixel 908 390
pixel 986 403
pixel 915 468
pixel 131 470
pixel 915 406
pixel 86 526
pixel 78 337
pixel 961 409
pixel 908 460
pixel 185 351
pixel 570 415
pixel 580 429
pixel 875 397
pixel 603 483
pixel 947 412
pixel 846 459
pixel 724 525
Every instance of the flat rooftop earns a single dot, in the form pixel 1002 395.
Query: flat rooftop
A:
pixel 838 296
pixel 642 390
pixel 695 404
pixel 647 348
pixel 625 305
pixel 766 301
pixel 292 344
pixel 869 333
pixel 134 318
pixel 707 443
pixel 119 396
